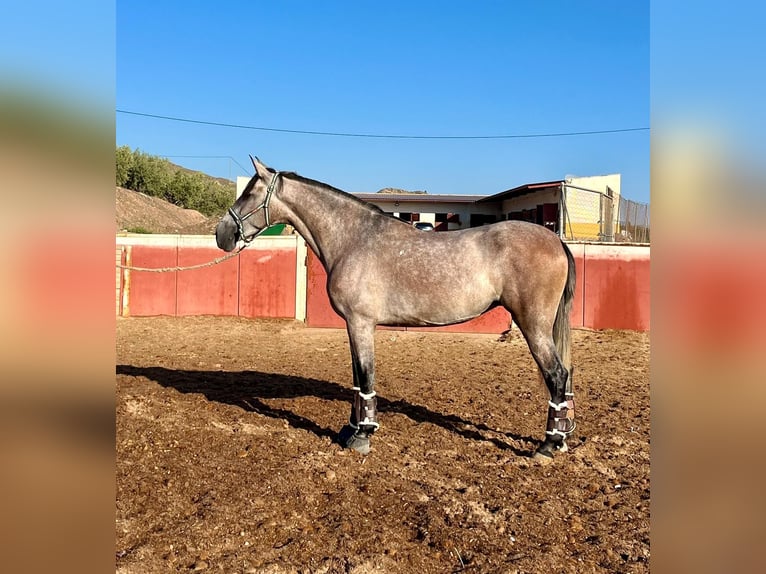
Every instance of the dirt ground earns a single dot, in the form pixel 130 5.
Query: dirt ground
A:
pixel 226 460
pixel 155 215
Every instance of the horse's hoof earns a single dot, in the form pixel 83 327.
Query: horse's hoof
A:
pixel 359 444
pixel 562 447
pixel 348 437
pixel 544 453
pixel 543 457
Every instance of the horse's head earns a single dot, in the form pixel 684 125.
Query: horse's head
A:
pixel 249 216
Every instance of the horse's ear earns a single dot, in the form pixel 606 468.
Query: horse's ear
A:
pixel 260 167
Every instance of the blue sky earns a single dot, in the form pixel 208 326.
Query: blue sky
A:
pixel 395 68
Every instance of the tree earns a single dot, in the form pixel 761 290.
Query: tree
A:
pixel 150 174
pixel 124 165
pixel 158 177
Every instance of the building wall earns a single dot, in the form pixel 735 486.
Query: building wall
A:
pixel 429 209
pixel 597 182
pixel 583 230
pixel 242 182
pixel 531 200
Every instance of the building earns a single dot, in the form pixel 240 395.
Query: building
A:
pixel 575 207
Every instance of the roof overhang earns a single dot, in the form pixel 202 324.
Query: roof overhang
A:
pixel 521 190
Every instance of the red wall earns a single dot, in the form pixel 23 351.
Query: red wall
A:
pixel 267 281
pixel 260 282
pixel 615 285
pixel 578 303
pixel 209 290
pixel 319 312
pixel 152 293
pixel 612 290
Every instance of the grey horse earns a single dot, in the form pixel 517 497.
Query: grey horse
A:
pixel 382 271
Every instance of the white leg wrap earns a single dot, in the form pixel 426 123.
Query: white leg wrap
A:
pixel 364 412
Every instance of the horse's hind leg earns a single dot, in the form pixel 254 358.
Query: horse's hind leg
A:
pixel 364 420
pixel 556 378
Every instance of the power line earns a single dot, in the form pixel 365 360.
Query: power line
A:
pixel 388 136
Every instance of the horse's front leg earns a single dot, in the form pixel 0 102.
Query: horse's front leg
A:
pixel 364 418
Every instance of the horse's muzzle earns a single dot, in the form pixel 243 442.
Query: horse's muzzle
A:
pixel 226 234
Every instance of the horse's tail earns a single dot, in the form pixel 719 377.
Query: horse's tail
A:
pixel 561 326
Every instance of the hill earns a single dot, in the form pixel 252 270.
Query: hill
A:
pixel 137 211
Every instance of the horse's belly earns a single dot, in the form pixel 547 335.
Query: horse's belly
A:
pixel 435 306
pixel 416 291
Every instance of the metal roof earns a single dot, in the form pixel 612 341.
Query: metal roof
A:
pixel 520 190
pixel 445 198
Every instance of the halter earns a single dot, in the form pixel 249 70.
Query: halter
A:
pixel 263 206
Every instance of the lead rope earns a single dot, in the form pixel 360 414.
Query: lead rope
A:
pixel 199 266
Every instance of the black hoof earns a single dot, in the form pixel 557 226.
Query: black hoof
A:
pixel 352 438
pixel 544 452
pixel 542 458
pixel 547 449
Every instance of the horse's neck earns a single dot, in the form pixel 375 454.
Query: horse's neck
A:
pixel 327 220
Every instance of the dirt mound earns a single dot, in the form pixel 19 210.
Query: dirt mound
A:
pixel 137 211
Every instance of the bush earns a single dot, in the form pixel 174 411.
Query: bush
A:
pixel 158 177
pixel 137 229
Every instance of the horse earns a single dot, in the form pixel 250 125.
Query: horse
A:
pixel 383 271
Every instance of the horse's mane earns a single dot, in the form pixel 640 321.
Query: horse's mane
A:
pixel 305 180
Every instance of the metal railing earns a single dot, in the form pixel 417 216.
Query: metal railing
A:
pixel 632 222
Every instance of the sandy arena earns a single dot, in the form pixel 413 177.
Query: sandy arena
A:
pixel 226 460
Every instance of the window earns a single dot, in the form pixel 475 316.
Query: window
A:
pixel 444 219
pixel 409 217
pixel 479 219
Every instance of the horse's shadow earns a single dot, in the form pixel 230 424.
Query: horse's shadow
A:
pixel 247 389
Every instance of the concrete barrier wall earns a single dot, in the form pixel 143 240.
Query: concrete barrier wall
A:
pixel 615 287
pixel 277 277
pixel 259 282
